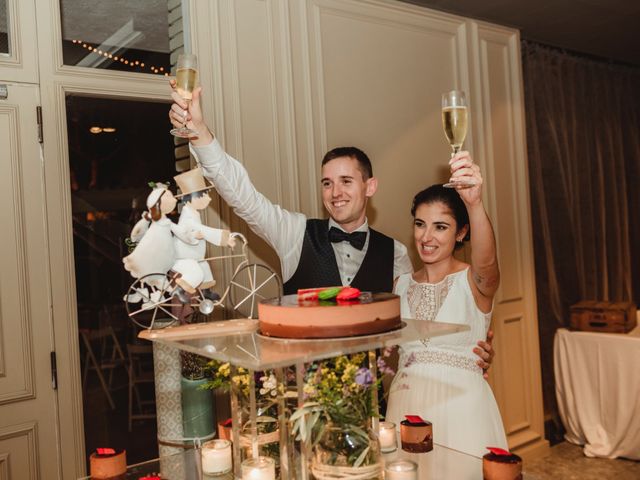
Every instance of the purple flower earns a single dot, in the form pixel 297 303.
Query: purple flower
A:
pixel 383 367
pixel 364 377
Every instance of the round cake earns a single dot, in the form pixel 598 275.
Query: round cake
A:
pixel 416 437
pixel 291 317
pixel 107 465
pixel 501 465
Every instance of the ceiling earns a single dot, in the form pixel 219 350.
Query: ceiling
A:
pixel 602 28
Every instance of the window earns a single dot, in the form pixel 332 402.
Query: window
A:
pixel 120 34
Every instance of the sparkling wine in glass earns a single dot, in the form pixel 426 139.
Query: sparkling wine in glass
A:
pixel 186 80
pixel 454 122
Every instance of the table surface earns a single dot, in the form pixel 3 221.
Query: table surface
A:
pixel 440 464
pixel 238 342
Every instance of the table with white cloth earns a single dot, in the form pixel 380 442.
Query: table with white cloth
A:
pixel 598 391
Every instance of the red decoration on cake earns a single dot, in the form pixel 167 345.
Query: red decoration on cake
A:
pixel 348 293
pixel 498 451
pixel 414 419
pixel 105 451
pixel 151 477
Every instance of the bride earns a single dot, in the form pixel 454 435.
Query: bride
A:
pixel 439 378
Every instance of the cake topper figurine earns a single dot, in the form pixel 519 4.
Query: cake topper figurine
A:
pixel 173 277
pixel 163 247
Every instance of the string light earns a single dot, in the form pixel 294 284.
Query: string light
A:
pixel 125 61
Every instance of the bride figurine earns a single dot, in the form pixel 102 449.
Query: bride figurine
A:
pixel 154 233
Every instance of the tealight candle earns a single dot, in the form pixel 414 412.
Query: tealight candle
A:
pixel 401 470
pixel 388 442
pixel 216 457
pixel 261 468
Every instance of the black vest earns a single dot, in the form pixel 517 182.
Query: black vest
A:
pixel 318 268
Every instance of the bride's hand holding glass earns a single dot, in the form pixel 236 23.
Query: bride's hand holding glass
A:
pixel 466 172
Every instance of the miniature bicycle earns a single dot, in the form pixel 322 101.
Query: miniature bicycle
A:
pixel 150 302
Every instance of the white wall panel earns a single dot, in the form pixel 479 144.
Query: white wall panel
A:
pixel 295 78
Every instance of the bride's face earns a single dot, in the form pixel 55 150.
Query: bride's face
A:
pixel 435 232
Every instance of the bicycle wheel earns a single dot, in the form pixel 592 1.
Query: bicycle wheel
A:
pixel 148 302
pixel 250 284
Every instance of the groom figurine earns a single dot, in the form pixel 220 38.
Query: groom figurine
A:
pixel 194 270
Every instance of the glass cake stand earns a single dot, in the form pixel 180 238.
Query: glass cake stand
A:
pixel 239 343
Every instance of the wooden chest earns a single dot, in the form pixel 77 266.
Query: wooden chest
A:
pixel 609 317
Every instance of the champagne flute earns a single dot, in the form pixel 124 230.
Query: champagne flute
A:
pixel 186 79
pixel 454 121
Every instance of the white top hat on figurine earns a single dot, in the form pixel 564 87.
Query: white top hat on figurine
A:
pixel 155 194
pixel 190 182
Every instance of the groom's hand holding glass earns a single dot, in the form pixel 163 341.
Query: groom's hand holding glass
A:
pixel 189 114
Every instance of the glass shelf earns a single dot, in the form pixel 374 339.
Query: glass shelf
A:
pixel 239 343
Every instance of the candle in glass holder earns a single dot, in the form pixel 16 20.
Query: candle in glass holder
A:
pixel 261 468
pixel 388 442
pixel 401 470
pixel 216 457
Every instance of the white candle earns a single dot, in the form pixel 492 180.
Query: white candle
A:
pixel 261 468
pixel 401 470
pixel 388 442
pixel 216 457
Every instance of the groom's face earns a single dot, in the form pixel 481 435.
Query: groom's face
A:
pixel 345 192
pixel 202 202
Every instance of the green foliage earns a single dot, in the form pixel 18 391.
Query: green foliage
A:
pixel 131 245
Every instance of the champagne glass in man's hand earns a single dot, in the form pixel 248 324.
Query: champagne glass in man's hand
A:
pixel 454 122
pixel 186 79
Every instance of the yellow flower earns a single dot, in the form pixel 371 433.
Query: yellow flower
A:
pixel 225 369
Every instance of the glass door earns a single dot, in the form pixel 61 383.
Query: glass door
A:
pixel 116 147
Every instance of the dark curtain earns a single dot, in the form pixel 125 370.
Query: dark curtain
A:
pixel 583 139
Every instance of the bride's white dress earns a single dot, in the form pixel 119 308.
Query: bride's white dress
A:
pixel 438 378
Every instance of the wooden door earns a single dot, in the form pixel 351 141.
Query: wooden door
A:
pixel 28 414
pixel 28 432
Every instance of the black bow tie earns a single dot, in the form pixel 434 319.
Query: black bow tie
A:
pixel 356 239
